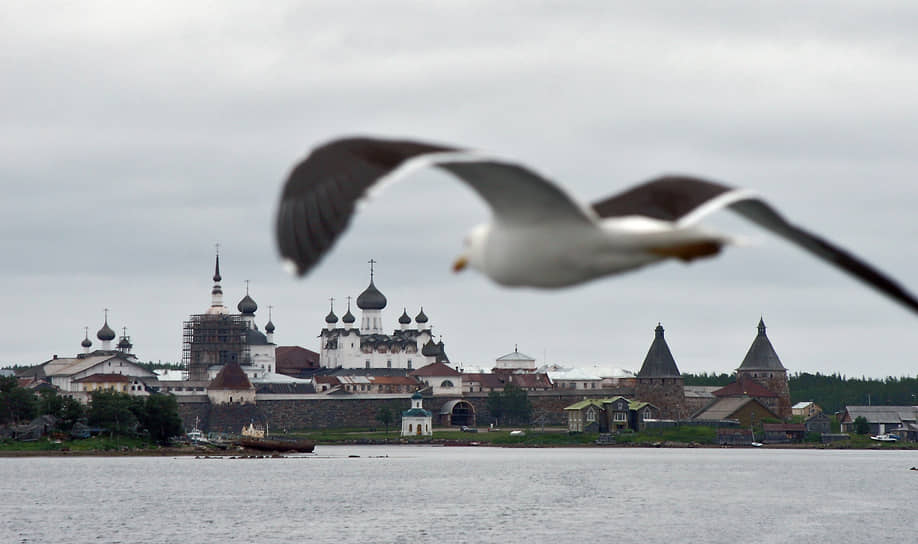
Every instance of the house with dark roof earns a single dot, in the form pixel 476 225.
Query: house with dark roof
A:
pixel 745 410
pixel 901 420
pixel 782 433
pixel 609 415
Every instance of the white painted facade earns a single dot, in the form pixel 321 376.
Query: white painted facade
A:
pixel 417 421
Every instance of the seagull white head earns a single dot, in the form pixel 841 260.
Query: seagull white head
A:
pixel 473 252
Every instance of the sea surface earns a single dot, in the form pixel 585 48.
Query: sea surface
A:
pixel 419 494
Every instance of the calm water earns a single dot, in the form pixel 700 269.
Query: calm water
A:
pixel 444 495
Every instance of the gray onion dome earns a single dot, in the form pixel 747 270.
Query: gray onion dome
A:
pixel 269 326
pixel 331 317
pixel 371 298
pixel 421 317
pixel 86 342
pixel 247 305
pixel 404 319
pixel 106 334
pixel 348 317
pixel 124 343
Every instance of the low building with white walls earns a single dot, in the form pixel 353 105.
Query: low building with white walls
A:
pixel 115 369
pixel 417 421
pixel 442 379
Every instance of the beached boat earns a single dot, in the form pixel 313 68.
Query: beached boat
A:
pixel 267 444
pixel 885 438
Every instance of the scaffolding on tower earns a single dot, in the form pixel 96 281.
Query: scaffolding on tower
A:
pixel 213 339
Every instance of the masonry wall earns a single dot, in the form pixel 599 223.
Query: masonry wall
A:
pixel 360 413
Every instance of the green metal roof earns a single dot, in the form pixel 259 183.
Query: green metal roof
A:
pixel 416 412
pixel 586 402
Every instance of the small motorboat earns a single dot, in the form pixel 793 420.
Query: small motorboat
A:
pixel 885 438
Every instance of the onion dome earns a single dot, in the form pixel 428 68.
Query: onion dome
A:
pixel 421 317
pixel 404 319
pixel 331 317
pixel 124 343
pixel 269 326
pixel 247 305
pixel 106 334
pixel 348 317
pixel 86 342
pixel 371 298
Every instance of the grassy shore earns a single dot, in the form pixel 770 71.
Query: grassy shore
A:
pixel 671 437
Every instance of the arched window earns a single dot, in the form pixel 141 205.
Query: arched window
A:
pixel 446 383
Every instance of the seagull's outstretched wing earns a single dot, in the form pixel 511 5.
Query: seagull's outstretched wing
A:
pixel 685 200
pixel 321 192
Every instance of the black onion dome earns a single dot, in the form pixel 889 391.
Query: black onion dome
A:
pixel 404 319
pixel 217 270
pixel 331 317
pixel 247 305
pixel 269 326
pixel 421 317
pixel 86 342
pixel 371 298
pixel 124 343
pixel 348 317
pixel 105 333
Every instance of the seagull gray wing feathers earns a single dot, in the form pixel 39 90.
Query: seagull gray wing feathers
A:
pixel 321 192
pixel 685 200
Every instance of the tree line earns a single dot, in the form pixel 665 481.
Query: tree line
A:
pixel 832 392
pixel 154 416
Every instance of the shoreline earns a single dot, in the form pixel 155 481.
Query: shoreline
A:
pixel 190 451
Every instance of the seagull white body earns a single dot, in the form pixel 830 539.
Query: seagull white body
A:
pixel 539 236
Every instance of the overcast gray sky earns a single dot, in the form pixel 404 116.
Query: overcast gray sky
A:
pixel 135 136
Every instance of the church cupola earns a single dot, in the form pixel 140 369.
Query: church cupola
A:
pixel 86 343
pixel 371 302
pixel 124 344
pixel 247 307
pixel 404 320
pixel 269 327
pixel 106 334
pixel 348 318
pixel 331 319
pixel 216 293
pixel 421 319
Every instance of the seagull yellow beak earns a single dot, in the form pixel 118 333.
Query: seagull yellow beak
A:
pixel 460 264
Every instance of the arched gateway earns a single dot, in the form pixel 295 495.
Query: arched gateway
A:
pixel 457 412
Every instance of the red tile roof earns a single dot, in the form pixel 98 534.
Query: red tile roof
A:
pixel 293 359
pixel 749 388
pixel 435 369
pixel 104 378
pixel 231 377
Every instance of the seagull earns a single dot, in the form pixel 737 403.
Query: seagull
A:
pixel 539 235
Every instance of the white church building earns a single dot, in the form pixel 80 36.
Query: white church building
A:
pixel 346 345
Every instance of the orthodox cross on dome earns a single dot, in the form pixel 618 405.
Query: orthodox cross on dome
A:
pixel 372 262
pixel 123 331
pixel 247 287
pixel 348 303
pixel 106 314
pixel 331 301
pixel 269 312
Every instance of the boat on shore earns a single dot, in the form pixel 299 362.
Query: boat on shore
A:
pixel 280 446
pixel 255 437
pixel 885 438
